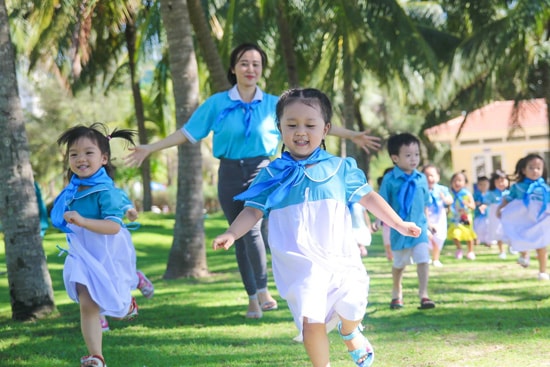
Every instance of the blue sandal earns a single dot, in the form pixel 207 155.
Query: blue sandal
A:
pixel 366 353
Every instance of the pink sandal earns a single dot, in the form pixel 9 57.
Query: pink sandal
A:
pixel 92 361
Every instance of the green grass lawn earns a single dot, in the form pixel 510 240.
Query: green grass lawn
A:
pixel 490 313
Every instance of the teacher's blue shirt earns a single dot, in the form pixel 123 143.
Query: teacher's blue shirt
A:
pixel 230 140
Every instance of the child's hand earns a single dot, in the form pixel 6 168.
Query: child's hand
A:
pixel 374 227
pixel 482 208
pixel 409 229
pixel 132 214
pixel 225 241
pixel 74 218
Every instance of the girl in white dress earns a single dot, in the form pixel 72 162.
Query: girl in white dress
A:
pixel 525 212
pixel 100 269
pixel 440 199
pixel 498 188
pixel 306 195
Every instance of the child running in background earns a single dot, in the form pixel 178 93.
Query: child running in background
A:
pixel 406 190
pixel 440 199
pixel 361 227
pixel 460 216
pixel 525 212
pixel 378 224
pixel 481 214
pixel 306 196
pixel 498 189
pixel 100 269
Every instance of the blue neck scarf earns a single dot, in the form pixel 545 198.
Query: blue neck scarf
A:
pixel 433 203
pixel 248 107
pixel 405 196
pixel 533 185
pixel 291 172
pixel 457 195
pixel 61 202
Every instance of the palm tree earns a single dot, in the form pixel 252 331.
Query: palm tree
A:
pixel 92 37
pixel 188 254
pixel 29 281
pixel 503 54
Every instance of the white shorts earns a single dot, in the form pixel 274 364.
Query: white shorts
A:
pixel 418 254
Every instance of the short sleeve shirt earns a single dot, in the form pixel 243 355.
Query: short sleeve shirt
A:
pixel 229 139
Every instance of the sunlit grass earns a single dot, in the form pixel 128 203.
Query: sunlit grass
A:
pixel 489 313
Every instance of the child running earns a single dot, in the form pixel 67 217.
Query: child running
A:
pixel 406 190
pixel 481 213
pixel 306 196
pixel 525 213
pixel 100 270
pixel 498 188
pixel 361 227
pixel 460 216
pixel 440 199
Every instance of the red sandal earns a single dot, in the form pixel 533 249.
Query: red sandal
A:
pixel 92 361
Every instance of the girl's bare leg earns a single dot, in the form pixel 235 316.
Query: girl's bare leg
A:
pixel 542 256
pixel 89 324
pixel 316 343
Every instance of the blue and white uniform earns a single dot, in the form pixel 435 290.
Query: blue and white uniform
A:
pixel 494 230
pixel 316 264
pixel 526 218
pixel 437 213
pixel 104 263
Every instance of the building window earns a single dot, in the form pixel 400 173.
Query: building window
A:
pixel 486 164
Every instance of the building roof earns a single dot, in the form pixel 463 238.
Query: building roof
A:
pixel 495 118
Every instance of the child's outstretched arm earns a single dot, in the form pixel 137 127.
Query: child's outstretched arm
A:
pixel 246 219
pixel 102 226
pixel 382 210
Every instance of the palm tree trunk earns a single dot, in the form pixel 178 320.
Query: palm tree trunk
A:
pixel 287 44
pixel 218 78
pixel 130 34
pixel 188 255
pixel 30 285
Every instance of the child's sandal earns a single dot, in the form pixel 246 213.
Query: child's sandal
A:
pixel 133 312
pixel 92 361
pixel 364 354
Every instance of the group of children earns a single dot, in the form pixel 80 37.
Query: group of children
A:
pixel 470 219
pixel 307 194
pixel 485 217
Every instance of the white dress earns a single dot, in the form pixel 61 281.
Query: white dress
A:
pixel 437 214
pixel 526 227
pixel 316 263
pixel 361 231
pixel 105 264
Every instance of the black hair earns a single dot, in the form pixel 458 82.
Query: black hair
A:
pixel 495 176
pixel 98 133
pixel 395 142
pixel 482 178
pixel 522 164
pixel 463 173
pixel 237 53
pixel 310 97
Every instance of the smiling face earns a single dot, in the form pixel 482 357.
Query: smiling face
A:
pixel 248 69
pixel 432 176
pixel 302 128
pixel 534 169
pixel 501 183
pixel 483 186
pixel 458 182
pixel 85 158
pixel 408 158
